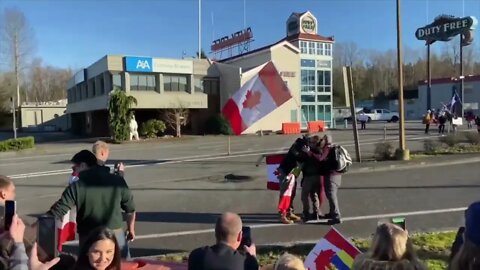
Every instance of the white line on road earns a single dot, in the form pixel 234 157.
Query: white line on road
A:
pixel 271 225
pixel 199 158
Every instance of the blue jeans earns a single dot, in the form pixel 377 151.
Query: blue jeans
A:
pixel 121 240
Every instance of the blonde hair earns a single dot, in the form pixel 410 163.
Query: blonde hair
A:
pixel 99 145
pixel 467 258
pixel 289 262
pixel 5 182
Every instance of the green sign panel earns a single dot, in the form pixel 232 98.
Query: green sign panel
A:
pixel 444 28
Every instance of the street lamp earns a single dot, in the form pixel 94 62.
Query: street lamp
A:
pixel 402 153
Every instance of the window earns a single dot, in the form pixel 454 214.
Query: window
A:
pixel 324 112
pixel 307 63
pixel 116 81
pixel 323 81
pixel 308 80
pixel 303 46
pixel 102 85
pixel 78 93
pixel 311 47
pixel 91 88
pixel 198 84
pixel 323 98
pixel 211 86
pixel 328 49
pixel 175 83
pixel 319 48
pixel 142 82
pixel 308 98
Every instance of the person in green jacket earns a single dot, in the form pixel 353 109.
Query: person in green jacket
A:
pixel 100 198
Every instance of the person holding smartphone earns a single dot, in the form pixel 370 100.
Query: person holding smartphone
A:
pixel 102 152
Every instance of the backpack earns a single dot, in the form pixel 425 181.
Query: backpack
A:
pixel 342 159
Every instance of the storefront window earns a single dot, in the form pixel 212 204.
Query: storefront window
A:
pixel 142 82
pixel 175 83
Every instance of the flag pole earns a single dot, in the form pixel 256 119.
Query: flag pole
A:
pixel 199 29
pixel 402 153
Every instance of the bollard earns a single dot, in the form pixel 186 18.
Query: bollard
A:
pixel 345 123
pixel 261 132
pixel 384 132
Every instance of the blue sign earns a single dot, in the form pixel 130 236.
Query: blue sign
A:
pixel 138 64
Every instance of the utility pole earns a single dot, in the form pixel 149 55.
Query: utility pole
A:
pixel 14 124
pixel 462 92
pixel 402 153
pixel 347 71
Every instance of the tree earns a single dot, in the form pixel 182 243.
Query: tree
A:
pixel 46 83
pixel 18 39
pixel 176 118
pixel 203 55
pixel 119 113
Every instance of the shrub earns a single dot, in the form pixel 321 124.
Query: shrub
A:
pixel 384 151
pixel 431 146
pixel 450 140
pixel 218 124
pixel 472 137
pixel 152 128
pixel 17 144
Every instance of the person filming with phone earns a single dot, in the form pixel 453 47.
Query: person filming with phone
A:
pixel 102 152
pixel 234 249
pixel 100 198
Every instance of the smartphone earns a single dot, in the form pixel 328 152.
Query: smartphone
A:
pixel 246 237
pixel 400 221
pixel 10 211
pixel 47 237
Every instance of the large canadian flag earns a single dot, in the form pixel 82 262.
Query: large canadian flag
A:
pixel 67 226
pixel 258 97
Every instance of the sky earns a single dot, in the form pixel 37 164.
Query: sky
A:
pixel 76 33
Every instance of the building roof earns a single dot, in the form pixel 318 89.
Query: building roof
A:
pixel 314 37
pixel 468 78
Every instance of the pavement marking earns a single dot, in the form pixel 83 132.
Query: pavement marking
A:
pixel 272 225
pixel 202 158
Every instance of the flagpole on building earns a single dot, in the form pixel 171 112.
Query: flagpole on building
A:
pixel 199 29
pixel 402 152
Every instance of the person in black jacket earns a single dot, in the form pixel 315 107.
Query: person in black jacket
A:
pixel 311 187
pixel 224 255
pixel 294 157
pixel 102 151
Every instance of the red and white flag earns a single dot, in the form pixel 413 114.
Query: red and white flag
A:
pixel 273 161
pixel 67 226
pixel 258 97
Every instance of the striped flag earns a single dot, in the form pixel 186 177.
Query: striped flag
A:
pixel 273 161
pixel 67 227
pixel 333 249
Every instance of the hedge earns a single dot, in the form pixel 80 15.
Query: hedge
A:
pixel 17 144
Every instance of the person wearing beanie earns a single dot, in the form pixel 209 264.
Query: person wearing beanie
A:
pixel 468 257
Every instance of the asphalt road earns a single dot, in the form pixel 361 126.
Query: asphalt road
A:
pixel 179 188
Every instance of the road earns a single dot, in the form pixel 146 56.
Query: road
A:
pixel 179 188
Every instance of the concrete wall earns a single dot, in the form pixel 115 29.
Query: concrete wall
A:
pixel 39 118
pixel 168 100
pixel 91 104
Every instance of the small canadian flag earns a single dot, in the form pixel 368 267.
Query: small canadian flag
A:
pixel 66 228
pixel 273 161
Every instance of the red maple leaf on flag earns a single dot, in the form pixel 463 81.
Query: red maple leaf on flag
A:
pixel 323 260
pixel 252 99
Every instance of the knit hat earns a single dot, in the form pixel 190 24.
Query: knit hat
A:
pixel 472 223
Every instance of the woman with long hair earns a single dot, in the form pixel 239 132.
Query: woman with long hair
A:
pixel 391 249
pixel 468 257
pixel 100 252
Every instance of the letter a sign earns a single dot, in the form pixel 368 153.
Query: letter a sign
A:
pixel 138 64
pixel 143 64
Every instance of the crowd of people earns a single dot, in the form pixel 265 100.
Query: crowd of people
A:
pixel 443 117
pixel 101 196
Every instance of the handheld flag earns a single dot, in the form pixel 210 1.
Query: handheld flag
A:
pixel 273 161
pixel 67 227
